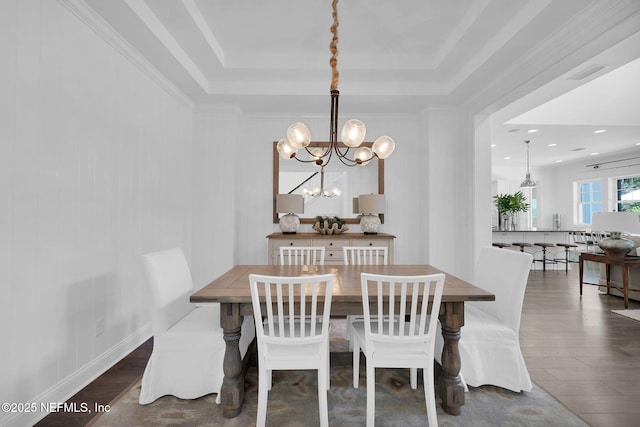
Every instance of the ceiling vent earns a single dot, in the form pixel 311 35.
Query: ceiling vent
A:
pixel 589 71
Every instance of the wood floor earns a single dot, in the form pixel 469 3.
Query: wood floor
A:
pixel 575 348
pixel 579 351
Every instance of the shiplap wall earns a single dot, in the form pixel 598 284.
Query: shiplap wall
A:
pixel 94 170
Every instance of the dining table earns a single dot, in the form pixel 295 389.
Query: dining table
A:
pixel 232 291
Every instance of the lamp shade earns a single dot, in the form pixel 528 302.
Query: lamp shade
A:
pixel 371 203
pixel 624 222
pixel 290 203
pixel 356 205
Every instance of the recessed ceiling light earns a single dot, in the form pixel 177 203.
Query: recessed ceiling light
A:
pixel 493 145
pixel 507 158
pixel 599 131
pixel 532 130
pixel 558 161
pixel 637 143
pixel 594 154
pixel 552 145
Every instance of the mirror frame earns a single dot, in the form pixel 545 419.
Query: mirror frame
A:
pixel 276 180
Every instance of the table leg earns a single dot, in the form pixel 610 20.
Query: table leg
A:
pixel 581 265
pixel 625 285
pixel 450 384
pixel 232 392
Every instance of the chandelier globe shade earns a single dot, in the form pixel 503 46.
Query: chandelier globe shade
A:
pixel 299 135
pixel 353 133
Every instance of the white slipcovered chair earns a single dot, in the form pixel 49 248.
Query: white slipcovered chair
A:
pixel 490 345
pixel 188 348
pixel 398 337
pixel 287 340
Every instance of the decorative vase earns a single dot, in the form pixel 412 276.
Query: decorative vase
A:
pixel 513 221
pixel 289 223
pixel 369 223
pixel 615 245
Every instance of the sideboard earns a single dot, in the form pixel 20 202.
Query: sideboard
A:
pixel 333 244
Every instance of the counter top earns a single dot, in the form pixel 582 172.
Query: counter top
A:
pixel 539 230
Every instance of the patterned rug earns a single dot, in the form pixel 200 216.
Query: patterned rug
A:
pixel 293 403
pixel 631 314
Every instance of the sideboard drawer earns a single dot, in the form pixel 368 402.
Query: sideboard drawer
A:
pixel 332 243
pixel 334 255
pixel 368 242
pixel 292 242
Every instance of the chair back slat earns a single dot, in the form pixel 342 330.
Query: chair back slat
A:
pixel 365 255
pixel 297 299
pixel 302 255
pixel 401 307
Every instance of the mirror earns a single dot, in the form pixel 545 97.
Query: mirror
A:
pixel 292 176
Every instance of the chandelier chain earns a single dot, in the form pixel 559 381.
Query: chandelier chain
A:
pixel 333 47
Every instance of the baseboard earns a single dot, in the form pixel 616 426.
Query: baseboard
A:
pixel 75 382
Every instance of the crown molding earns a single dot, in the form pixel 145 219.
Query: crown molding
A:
pixel 94 21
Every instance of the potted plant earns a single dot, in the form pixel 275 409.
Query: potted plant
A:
pixel 508 206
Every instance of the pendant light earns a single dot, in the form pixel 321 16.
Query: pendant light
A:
pixel 528 182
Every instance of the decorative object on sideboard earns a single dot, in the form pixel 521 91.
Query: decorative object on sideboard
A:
pixel 290 204
pixel 369 206
pixel 353 131
pixel 329 225
pixel 528 182
pixel 614 224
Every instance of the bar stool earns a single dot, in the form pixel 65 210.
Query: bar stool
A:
pixel 522 245
pixel 501 245
pixel 544 247
pixel 567 247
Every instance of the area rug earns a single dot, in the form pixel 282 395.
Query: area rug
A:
pixel 293 403
pixel 631 314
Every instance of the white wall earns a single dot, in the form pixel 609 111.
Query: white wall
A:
pixel 94 171
pixel 561 196
pixel 429 182
pixel 404 181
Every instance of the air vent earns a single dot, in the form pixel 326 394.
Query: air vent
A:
pixel 578 149
pixel 589 71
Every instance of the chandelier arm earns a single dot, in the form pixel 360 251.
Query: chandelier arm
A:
pixel 302 160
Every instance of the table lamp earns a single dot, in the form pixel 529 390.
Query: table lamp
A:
pixel 369 206
pixel 290 204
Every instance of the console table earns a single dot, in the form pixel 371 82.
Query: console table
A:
pixel 333 244
pixel 624 262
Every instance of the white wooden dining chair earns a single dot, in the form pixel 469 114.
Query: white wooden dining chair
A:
pixel 370 255
pixel 359 255
pixel 302 255
pixel 286 339
pixel 402 335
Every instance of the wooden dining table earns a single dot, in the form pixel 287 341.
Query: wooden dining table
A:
pixel 232 291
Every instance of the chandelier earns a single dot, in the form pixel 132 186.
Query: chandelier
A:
pixel 320 191
pixel 353 131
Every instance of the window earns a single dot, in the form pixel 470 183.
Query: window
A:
pixel 628 194
pixel 589 200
